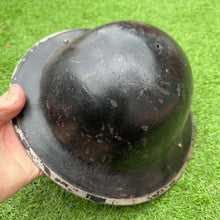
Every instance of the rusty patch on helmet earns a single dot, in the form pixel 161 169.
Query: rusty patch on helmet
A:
pixel 179 145
pixel 162 90
pixel 65 41
pixel 144 127
pixel 114 103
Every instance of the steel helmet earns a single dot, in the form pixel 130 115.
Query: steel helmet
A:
pixel 107 115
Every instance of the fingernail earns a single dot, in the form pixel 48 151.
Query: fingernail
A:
pixel 13 89
pixel 10 96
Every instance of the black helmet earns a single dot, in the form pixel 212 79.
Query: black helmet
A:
pixel 108 111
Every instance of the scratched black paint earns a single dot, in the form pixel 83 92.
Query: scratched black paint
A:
pixel 116 100
pixel 111 88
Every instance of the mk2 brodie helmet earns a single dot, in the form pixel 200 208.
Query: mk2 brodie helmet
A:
pixel 108 111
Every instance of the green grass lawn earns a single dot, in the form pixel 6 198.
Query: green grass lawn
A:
pixel 195 25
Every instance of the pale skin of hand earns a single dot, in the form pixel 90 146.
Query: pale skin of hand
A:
pixel 16 167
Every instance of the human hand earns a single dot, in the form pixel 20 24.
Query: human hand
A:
pixel 16 167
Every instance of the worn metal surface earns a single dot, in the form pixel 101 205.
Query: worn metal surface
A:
pixel 108 115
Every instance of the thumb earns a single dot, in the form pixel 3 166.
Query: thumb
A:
pixel 11 103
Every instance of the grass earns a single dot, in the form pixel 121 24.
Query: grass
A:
pixel 195 26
